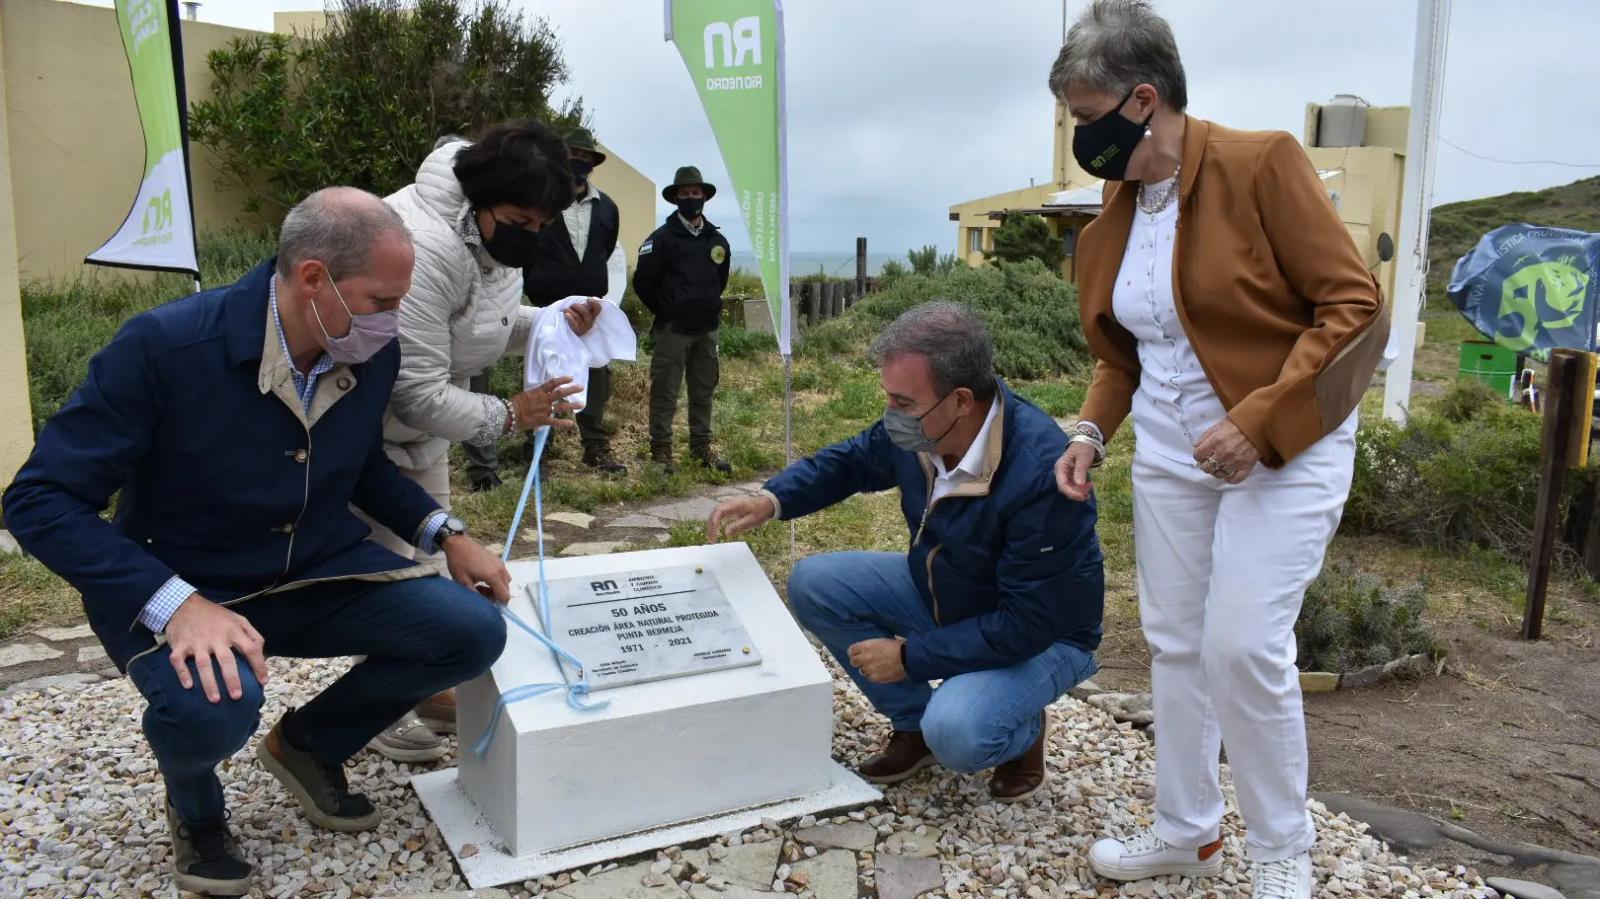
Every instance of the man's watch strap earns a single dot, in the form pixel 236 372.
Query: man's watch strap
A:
pixel 452 527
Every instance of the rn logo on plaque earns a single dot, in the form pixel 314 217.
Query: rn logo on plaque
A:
pixel 719 714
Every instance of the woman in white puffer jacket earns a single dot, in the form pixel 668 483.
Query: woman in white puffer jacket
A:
pixel 473 213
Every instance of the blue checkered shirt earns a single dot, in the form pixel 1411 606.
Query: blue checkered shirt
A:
pixel 164 604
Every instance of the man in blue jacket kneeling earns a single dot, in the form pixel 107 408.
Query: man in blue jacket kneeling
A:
pixel 1001 591
pixel 241 425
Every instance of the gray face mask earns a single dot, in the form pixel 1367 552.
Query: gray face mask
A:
pixel 905 429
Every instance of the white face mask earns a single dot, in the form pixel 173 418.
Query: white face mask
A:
pixel 368 333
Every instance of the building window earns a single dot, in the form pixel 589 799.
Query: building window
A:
pixel 974 240
pixel 1069 242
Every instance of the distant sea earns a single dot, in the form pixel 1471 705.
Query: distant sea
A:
pixel 841 265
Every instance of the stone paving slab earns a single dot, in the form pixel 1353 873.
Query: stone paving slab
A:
pixel 623 883
pixel 694 508
pixel 901 877
pixel 748 864
pixel 635 520
pixel 24 653
pixel 920 845
pixel 856 836
pixel 576 519
pixel 61 634
pixel 75 679
pixel 600 548
pixel 831 875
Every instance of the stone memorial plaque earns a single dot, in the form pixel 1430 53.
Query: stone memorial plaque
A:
pixel 634 627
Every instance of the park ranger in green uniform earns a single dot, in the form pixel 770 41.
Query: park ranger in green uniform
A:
pixel 682 271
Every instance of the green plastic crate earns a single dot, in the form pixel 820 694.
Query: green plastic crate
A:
pixel 1492 364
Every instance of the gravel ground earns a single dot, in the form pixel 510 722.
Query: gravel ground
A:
pixel 80 802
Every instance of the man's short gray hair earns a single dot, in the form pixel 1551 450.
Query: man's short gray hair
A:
pixel 953 340
pixel 336 226
pixel 1117 45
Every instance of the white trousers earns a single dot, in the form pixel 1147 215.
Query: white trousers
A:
pixel 1222 573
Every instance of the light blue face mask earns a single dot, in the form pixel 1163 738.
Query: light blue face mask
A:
pixel 368 333
pixel 905 429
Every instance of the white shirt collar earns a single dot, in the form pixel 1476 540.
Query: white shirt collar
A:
pixel 971 464
pixel 591 194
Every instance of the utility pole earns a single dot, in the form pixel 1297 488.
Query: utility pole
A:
pixel 1422 143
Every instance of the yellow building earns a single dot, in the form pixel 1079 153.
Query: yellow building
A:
pixel 1364 181
pixel 1070 200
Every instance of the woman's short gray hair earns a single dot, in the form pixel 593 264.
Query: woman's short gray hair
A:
pixel 336 226
pixel 1117 45
pixel 953 340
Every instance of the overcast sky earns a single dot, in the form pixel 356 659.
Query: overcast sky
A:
pixel 900 108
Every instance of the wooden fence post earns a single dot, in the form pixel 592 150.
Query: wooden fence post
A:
pixel 1563 393
pixel 861 267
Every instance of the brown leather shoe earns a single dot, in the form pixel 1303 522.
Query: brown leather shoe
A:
pixel 439 712
pixel 904 755
pixel 1024 775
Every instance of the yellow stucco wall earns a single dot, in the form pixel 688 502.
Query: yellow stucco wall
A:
pixel 77 151
pixel 635 196
pixel 16 417
pixel 1368 181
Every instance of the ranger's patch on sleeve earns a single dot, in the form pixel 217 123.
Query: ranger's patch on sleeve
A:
pixel 645 247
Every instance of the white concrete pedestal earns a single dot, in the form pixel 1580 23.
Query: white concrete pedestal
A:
pixel 666 762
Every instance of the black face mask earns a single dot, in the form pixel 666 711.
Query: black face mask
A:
pixel 580 170
pixel 512 245
pixel 1104 146
pixel 691 209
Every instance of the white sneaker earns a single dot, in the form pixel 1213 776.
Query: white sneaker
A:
pixel 1286 879
pixel 1147 855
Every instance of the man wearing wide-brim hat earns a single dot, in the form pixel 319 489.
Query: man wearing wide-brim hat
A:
pixel 682 271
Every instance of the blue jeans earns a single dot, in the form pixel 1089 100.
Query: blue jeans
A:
pixel 972 721
pixel 419 636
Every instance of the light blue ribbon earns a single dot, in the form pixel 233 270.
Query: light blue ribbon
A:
pixel 576 692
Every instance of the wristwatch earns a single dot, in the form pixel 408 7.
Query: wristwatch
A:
pixel 451 527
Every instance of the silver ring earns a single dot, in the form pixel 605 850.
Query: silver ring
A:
pixel 1211 465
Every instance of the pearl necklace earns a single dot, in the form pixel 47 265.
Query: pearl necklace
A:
pixel 1150 205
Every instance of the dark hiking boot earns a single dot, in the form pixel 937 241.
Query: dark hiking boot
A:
pixel 206 857
pixel 598 456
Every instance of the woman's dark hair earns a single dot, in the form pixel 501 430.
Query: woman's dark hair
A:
pixel 520 163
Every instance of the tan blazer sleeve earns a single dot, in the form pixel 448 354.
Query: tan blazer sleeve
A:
pixel 1322 265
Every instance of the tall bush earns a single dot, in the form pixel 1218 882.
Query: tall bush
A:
pixel 1462 474
pixel 1032 314
pixel 1021 237
pixel 363 102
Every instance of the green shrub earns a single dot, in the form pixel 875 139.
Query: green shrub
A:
pixel 929 263
pixel 1031 313
pixel 1466 399
pixel 1453 483
pixel 735 342
pixel 1022 237
pixel 365 100
pixel 743 282
pixel 1352 619
pixel 891 271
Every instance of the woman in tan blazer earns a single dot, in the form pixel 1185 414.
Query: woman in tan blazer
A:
pixel 1233 318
